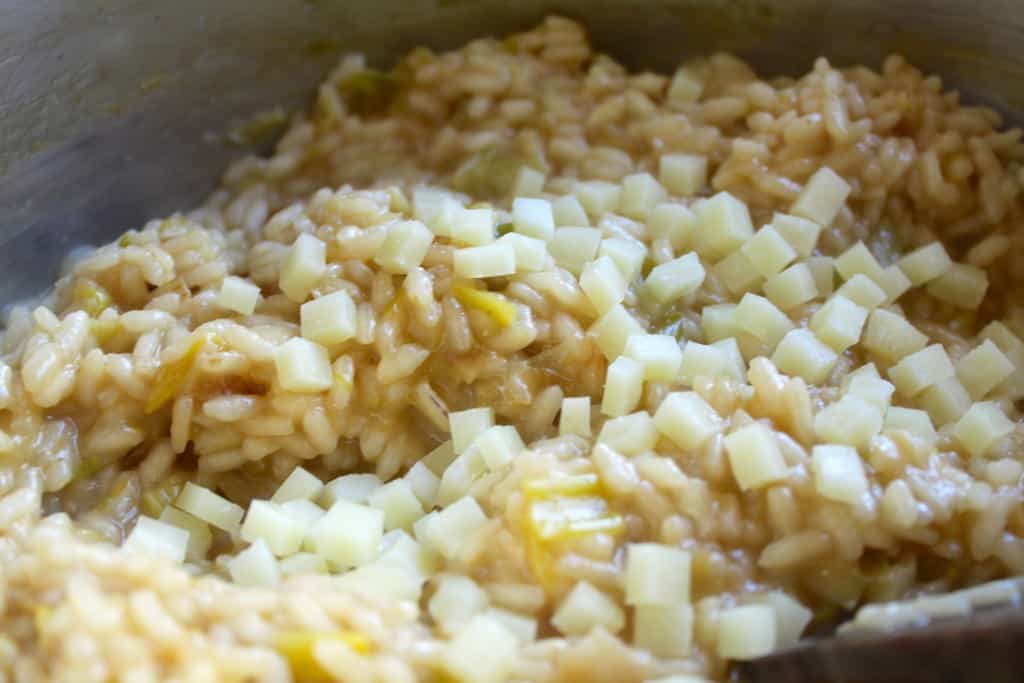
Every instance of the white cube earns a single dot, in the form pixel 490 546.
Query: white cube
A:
pixel 768 251
pixel 255 566
pixel 862 290
pixel 755 457
pixel 961 285
pixel 687 420
pixel 702 360
pixel 665 630
pixel 586 608
pixel 761 318
pixel 238 295
pixel 531 253
pixel 303 366
pixel 839 323
pixel 330 319
pixel 628 255
pixel 746 632
pixel 404 247
pixel 398 502
pixel 154 538
pixel 598 197
pixel 657 574
pixel 674 223
pixel 613 329
pixel 533 218
pixel 859 259
pixel 568 211
pixel 839 473
pixel 737 273
pixel 891 336
pixel 483 651
pixel 573 248
pixel 802 234
pixel 926 263
pixel 348 535
pixel 801 354
pixel 473 227
pixel 911 420
pixel 623 385
pixel 574 418
pixel 466 425
pixel 303 266
pixel 354 488
pixel 823 268
pixel 675 279
pixel 684 175
pixel 921 369
pixel 640 194
pixel 718 321
pixel 659 354
pixel 982 426
pixel 630 434
pixel 265 520
pixel 603 284
pixel 851 421
pixel 723 225
pixel 822 197
pixel 499 445
pixel 213 509
pixel 983 368
pixel 792 287
pixel 300 484
pixel 456 526
pixel 492 260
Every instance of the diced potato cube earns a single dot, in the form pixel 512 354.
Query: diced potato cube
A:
pixel 723 225
pixel 499 445
pixel 437 460
pixel 658 354
pixel 838 323
pixel 684 175
pixel 533 218
pixel 466 425
pixel 483 651
pixel 603 284
pixel 574 418
pixel 623 387
pixel 330 319
pixel 857 259
pixel 759 317
pixel 894 283
pixel 822 197
pixel 305 512
pixel 686 86
pixel 802 354
pixel 627 254
pixel 982 369
pixel 754 457
pixel 301 564
pixel 851 421
pixel 568 211
pixel 238 295
pixel 203 503
pixel 737 273
pixel 613 329
pixel 982 426
pixel 456 525
pixel 531 253
pixel 890 336
pixel 791 618
pixel 657 574
pixel 492 260
pixel 473 227
pixel 792 287
pixel 962 285
pixel 586 608
pixel 348 535
pixel 665 630
pixel 458 478
pixel 630 434
pixel 300 484
pixel 598 197
pixel 862 290
pixel 925 263
pixel 199 537
pixel 398 547
pixel 702 360
pixel 768 251
pixel 921 369
pixel 424 484
pixel 529 182
pixel 255 566
pixel 303 366
pixel 945 401
pixel 385 580
pixel 436 208
pixel 823 268
pixel 874 390
pixel 354 488
pixel 746 632
pixel 265 520
pixel 839 473
pixel 404 247
pixel 573 248
pixel 640 194
pixel 910 420
pixel 719 322
pixel 157 539
pixel 735 366
pixel 456 600
pixel 801 233
pixel 523 628
pixel 398 502
pixel 672 222
pixel 303 266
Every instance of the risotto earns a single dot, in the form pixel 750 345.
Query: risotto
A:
pixel 512 365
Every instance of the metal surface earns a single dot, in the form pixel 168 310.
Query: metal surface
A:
pixel 113 111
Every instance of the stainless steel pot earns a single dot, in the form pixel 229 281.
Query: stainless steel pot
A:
pixel 114 111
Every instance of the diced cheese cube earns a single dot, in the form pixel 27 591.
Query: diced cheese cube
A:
pixel 455 601
pixel 874 390
pixel 894 283
pixel 768 251
pixel 982 369
pixel 759 317
pixel 890 336
pixel 529 182
pixel 851 421
pixel 574 418
pixel 573 248
pixel 330 319
pixel 586 608
pixel 982 426
pixel 456 526
pixel 598 197
pixel 672 222
pixel 675 279
pixel 684 175
pixel 531 253
pixel 348 535
pixel 533 218
pixel 398 502
pixel 623 386
pixel 603 284
pixel 255 566
pixel 492 260
pixel 737 273
pixel 640 194
pixel 466 425
pixel 424 484
pixel 838 323
pixel 657 574
pixel 687 420
pixel 702 360
pixel 723 225
pixel 473 227
pixel 354 488
pixel 822 197
pixel 265 520
pixel 459 476
pixel 735 366
pixel 862 290
pixel 305 512
pixel 665 630
pixel 627 254
pixel 303 266
pixel 961 285
pixel 839 473
pixel 802 234
pixel 299 484
pixel 199 537
pixel 802 354
pixel 658 354
pixel 823 268
pixel 921 369
pixel 925 263
pixel 746 632
pixel 754 457
pixel 404 247
pixel 792 287
pixel 613 329
pixel 483 651
pixel 719 322
pixel 630 434
pixel 568 211
pixel 203 503
pixel 157 539
pixel 945 401
pixel 238 295
pixel 910 420
pixel 857 259
pixel 499 445
pixel 303 366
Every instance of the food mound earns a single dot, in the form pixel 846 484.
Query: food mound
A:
pixel 512 365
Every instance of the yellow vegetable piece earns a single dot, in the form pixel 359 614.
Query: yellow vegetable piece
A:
pixel 369 91
pixel 170 377
pixel 41 618
pixel 500 309
pixel 93 298
pixel 576 485
pixel 298 647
